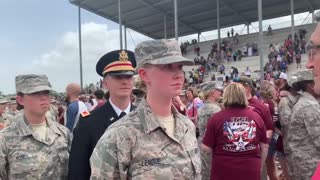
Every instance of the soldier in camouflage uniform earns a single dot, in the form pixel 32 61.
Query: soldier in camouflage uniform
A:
pixel 5 118
pixel 304 130
pixel 288 99
pixel 153 141
pixel 34 147
pixel 212 93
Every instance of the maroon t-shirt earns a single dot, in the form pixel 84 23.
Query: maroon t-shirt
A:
pixel 263 111
pixel 234 135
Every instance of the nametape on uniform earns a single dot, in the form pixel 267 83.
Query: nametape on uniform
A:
pixel 85 113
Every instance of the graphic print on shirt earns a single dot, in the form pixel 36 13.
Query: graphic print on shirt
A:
pixel 240 132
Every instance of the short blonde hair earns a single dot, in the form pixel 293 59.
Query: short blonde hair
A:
pixel 234 95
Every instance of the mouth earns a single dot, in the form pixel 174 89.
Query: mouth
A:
pixel 177 84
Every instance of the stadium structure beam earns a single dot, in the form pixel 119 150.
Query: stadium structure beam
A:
pixel 80 47
pixel 218 28
pixel 260 39
pixel 292 18
pixel 310 5
pixel 176 26
pixel 168 15
pixel 120 23
pixel 234 11
pixel 125 37
pixel 165 27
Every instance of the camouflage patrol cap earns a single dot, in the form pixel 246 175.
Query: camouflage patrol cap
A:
pixel 304 75
pixel 159 52
pixel 3 100
pixel 209 86
pixel 292 80
pixel 31 83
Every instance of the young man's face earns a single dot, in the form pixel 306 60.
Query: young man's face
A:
pixel 119 86
pixel 37 103
pixel 166 80
pixel 314 57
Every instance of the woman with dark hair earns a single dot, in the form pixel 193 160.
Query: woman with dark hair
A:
pixel 236 136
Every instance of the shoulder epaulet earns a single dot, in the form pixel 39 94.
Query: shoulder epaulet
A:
pixel 85 114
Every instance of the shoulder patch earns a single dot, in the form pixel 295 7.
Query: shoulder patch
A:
pixel 85 114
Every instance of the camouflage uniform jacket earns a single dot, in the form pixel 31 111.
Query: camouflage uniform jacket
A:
pixel 24 155
pixel 138 147
pixel 204 114
pixel 6 119
pixel 303 137
pixel 285 110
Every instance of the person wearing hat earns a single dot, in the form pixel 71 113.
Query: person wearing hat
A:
pixel 236 138
pixel 154 141
pixel 117 69
pixel 5 118
pixel 304 129
pixel 265 114
pixel 13 107
pixel 212 93
pixel 34 147
pixel 288 98
pixel 313 51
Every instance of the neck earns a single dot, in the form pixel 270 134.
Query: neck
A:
pixel 122 103
pixel 73 98
pixel 161 106
pixel 35 119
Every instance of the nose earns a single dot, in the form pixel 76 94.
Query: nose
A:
pixel 309 64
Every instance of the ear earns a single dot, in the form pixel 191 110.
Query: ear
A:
pixel 144 75
pixel 20 100
pixel 104 82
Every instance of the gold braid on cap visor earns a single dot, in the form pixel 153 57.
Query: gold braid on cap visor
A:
pixel 123 64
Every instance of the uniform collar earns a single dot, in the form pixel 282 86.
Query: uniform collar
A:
pixel 309 96
pixel 23 127
pixel 118 110
pixel 150 122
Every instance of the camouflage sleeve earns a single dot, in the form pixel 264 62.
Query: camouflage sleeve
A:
pixel 3 160
pixel 284 113
pixel 312 123
pixel 111 156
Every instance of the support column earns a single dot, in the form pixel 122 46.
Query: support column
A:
pixel 248 29
pixel 260 39
pixel 313 18
pixel 165 27
pixel 218 25
pixel 120 23
pixel 80 47
pixel 125 37
pixel 199 37
pixel 292 18
pixel 176 19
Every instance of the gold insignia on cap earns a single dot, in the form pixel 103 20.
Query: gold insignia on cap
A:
pixel 123 56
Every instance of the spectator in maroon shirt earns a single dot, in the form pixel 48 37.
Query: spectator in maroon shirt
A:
pixel 258 106
pixel 236 136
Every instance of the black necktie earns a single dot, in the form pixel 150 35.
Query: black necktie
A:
pixel 122 114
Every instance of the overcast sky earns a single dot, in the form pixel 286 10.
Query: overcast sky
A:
pixel 41 36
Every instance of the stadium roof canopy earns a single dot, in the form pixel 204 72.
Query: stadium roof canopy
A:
pixel 147 16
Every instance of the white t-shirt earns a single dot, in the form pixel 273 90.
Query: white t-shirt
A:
pixel 168 123
pixel 40 130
